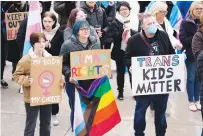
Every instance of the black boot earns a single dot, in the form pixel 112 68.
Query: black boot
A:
pixel 120 95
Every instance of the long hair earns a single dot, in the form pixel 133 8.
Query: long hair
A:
pixel 72 16
pixel 51 15
pixel 201 22
pixel 193 6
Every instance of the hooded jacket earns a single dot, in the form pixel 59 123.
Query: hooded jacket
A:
pixel 22 72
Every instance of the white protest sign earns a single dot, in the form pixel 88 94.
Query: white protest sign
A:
pixel 161 74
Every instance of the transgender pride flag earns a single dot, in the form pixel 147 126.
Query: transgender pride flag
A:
pixel 34 24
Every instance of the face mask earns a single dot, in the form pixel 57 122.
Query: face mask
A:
pixel 152 29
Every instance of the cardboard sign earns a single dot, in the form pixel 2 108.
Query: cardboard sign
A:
pixel 47 74
pixel 158 74
pixel 90 64
pixel 13 23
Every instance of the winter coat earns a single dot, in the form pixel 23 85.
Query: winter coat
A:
pixel 200 74
pixel 63 9
pixel 98 17
pixel 137 47
pixel 117 31
pixel 13 49
pixel 22 73
pixel 56 42
pixel 188 28
pixel 197 43
pixel 72 45
pixel 68 32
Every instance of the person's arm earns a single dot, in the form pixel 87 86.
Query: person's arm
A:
pixel 184 38
pixel 19 75
pixel 115 30
pixel 200 66
pixel 94 33
pixel 66 59
pixel 105 23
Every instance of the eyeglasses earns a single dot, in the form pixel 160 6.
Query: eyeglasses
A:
pixel 126 9
pixel 84 29
pixel 82 16
pixel 200 9
pixel 164 11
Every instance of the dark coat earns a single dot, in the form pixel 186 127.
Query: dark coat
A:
pixel 63 9
pixel 98 17
pixel 188 28
pixel 117 31
pixel 137 47
pixel 13 50
pixel 56 42
pixel 197 43
pixel 200 74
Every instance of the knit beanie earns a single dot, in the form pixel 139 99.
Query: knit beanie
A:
pixel 78 25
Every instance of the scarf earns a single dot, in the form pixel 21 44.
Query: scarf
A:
pixel 49 35
pixel 126 33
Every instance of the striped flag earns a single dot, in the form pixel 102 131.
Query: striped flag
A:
pixel 96 111
pixel 34 24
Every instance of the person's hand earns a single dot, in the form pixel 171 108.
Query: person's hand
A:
pixel 130 69
pixel 71 80
pixel 48 45
pixel 99 33
pixel 179 46
pixel 126 27
pixel 62 84
pixel 30 80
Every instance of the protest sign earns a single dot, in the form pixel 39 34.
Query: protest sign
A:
pixel 13 23
pixel 90 64
pixel 47 74
pixel 158 74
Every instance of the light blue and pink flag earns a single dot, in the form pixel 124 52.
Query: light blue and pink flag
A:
pixel 34 24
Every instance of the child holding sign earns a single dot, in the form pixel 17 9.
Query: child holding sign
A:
pixel 22 76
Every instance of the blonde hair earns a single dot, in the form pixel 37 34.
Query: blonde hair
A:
pixel 157 7
pixel 193 6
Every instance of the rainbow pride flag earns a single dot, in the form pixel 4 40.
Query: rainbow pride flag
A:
pixel 96 111
pixel 34 24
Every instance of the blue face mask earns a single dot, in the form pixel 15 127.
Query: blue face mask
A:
pixel 152 29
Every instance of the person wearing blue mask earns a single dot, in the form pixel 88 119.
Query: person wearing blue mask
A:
pixel 149 42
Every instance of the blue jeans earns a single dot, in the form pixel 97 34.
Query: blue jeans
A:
pixel 193 83
pixel 160 105
pixel 70 90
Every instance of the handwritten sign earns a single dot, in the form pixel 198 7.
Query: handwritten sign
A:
pixel 90 64
pixel 13 23
pixel 158 74
pixel 47 74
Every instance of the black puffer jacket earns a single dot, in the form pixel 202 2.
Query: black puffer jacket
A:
pixel 137 47
pixel 200 74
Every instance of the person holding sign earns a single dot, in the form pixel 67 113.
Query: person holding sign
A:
pixel 150 41
pixel 80 40
pixel 22 76
pixel 188 28
pixel 121 31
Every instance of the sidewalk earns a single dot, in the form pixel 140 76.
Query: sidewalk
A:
pixel 182 122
